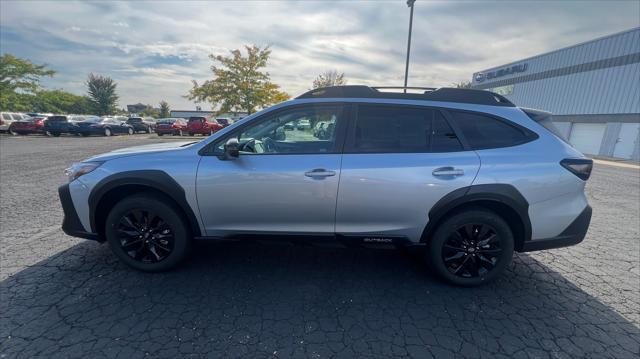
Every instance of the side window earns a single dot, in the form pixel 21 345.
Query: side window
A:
pixel 484 132
pixel 6 117
pixel 389 129
pixel 291 132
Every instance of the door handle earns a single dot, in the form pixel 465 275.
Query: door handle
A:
pixel 448 171
pixel 319 172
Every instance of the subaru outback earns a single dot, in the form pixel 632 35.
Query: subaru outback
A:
pixel 463 173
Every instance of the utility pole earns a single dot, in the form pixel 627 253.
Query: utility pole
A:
pixel 406 68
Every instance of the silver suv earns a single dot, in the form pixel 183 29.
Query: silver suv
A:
pixel 463 173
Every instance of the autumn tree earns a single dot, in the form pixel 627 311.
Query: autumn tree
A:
pixel 239 82
pixel 102 94
pixel 329 78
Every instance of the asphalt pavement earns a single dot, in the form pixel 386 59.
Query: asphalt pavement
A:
pixel 62 297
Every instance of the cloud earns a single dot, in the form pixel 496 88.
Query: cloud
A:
pixel 154 49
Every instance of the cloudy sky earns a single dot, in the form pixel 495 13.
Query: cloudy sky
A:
pixel 154 49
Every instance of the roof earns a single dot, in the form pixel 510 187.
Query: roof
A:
pixel 443 94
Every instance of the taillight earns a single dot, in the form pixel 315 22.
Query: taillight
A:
pixel 580 167
pixel 39 122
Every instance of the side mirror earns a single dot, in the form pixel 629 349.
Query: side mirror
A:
pixel 232 148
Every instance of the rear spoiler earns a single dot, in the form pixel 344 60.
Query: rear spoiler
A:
pixel 545 119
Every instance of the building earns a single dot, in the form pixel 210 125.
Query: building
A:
pixel 137 108
pixel 592 88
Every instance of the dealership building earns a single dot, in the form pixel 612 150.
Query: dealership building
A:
pixel 592 89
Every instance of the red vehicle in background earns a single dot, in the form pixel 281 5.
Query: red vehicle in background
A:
pixel 171 126
pixel 202 125
pixel 27 126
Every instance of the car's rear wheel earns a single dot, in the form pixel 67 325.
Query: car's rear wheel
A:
pixel 147 233
pixel 12 131
pixel 130 131
pixel 159 134
pixel 471 247
pixel 107 132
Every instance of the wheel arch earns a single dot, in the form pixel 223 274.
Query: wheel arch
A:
pixel 116 187
pixel 503 199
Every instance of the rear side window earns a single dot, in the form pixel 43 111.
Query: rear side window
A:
pixel 196 119
pixel 389 129
pixel 57 118
pixel 484 132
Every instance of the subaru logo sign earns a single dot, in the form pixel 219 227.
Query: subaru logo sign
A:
pixel 481 76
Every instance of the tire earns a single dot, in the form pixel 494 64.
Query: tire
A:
pixel 55 134
pixel 130 131
pixel 107 132
pixel 190 134
pixel 84 134
pixel 138 253
pixel 149 129
pixel 471 263
pixel 12 132
pixel 159 134
pixel 210 132
pixel 180 133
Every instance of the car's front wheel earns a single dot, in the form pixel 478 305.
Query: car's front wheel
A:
pixel 471 247
pixel 147 233
pixel 130 131
pixel 107 132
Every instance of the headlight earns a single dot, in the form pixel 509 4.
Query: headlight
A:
pixel 79 169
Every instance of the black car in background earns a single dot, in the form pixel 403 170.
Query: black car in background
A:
pixel 103 126
pixel 56 125
pixel 141 124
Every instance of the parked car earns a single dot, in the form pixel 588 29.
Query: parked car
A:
pixel 28 125
pixel 7 118
pixel 107 126
pixel 303 124
pixel 202 125
pixel 464 174
pixel 171 126
pixel 56 125
pixel 224 122
pixel 141 124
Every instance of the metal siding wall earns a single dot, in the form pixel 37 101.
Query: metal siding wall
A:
pixel 610 138
pixel 564 128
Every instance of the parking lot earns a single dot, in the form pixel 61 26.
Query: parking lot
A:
pixel 66 297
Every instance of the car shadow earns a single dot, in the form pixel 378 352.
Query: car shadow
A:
pixel 240 299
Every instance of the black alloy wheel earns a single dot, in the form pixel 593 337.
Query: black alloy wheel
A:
pixel 148 232
pixel 472 250
pixel 471 247
pixel 145 236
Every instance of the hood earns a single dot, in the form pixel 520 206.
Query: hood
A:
pixel 137 150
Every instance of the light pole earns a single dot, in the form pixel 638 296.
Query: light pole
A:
pixel 406 68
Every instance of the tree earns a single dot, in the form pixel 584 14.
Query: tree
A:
pixel 102 93
pixel 164 109
pixel 239 84
pixel 150 112
pixel 329 78
pixel 462 84
pixel 19 79
pixel 59 101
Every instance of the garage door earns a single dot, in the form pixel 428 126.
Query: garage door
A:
pixel 586 137
pixel 626 140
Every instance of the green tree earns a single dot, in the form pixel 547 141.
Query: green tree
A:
pixel 150 112
pixel 462 84
pixel 165 110
pixel 239 83
pixel 329 78
pixel 59 101
pixel 102 94
pixel 19 79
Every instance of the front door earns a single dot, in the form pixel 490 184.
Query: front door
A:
pixel 398 162
pixel 285 179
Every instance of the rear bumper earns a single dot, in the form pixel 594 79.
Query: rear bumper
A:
pixel 572 235
pixel 71 223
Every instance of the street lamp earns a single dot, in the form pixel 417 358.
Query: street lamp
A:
pixel 406 68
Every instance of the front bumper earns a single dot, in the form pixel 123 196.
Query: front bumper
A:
pixel 572 235
pixel 71 224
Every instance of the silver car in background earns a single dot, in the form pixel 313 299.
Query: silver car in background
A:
pixel 463 173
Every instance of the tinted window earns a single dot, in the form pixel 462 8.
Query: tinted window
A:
pixel 57 118
pixel 6 117
pixel 381 129
pixel 196 119
pixel 484 132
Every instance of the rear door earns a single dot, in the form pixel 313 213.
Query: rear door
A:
pixel 196 123
pixel 398 162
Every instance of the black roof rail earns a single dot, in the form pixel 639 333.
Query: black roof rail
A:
pixel 443 94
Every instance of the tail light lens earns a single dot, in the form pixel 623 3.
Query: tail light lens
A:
pixel 580 167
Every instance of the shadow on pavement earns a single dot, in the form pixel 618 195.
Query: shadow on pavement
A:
pixel 272 300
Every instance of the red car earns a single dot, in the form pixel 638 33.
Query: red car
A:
pixel 27 126
pixel 171 126
pixel 202 125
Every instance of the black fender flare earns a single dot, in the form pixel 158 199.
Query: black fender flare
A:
pixel 504 194
pixel 154 179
